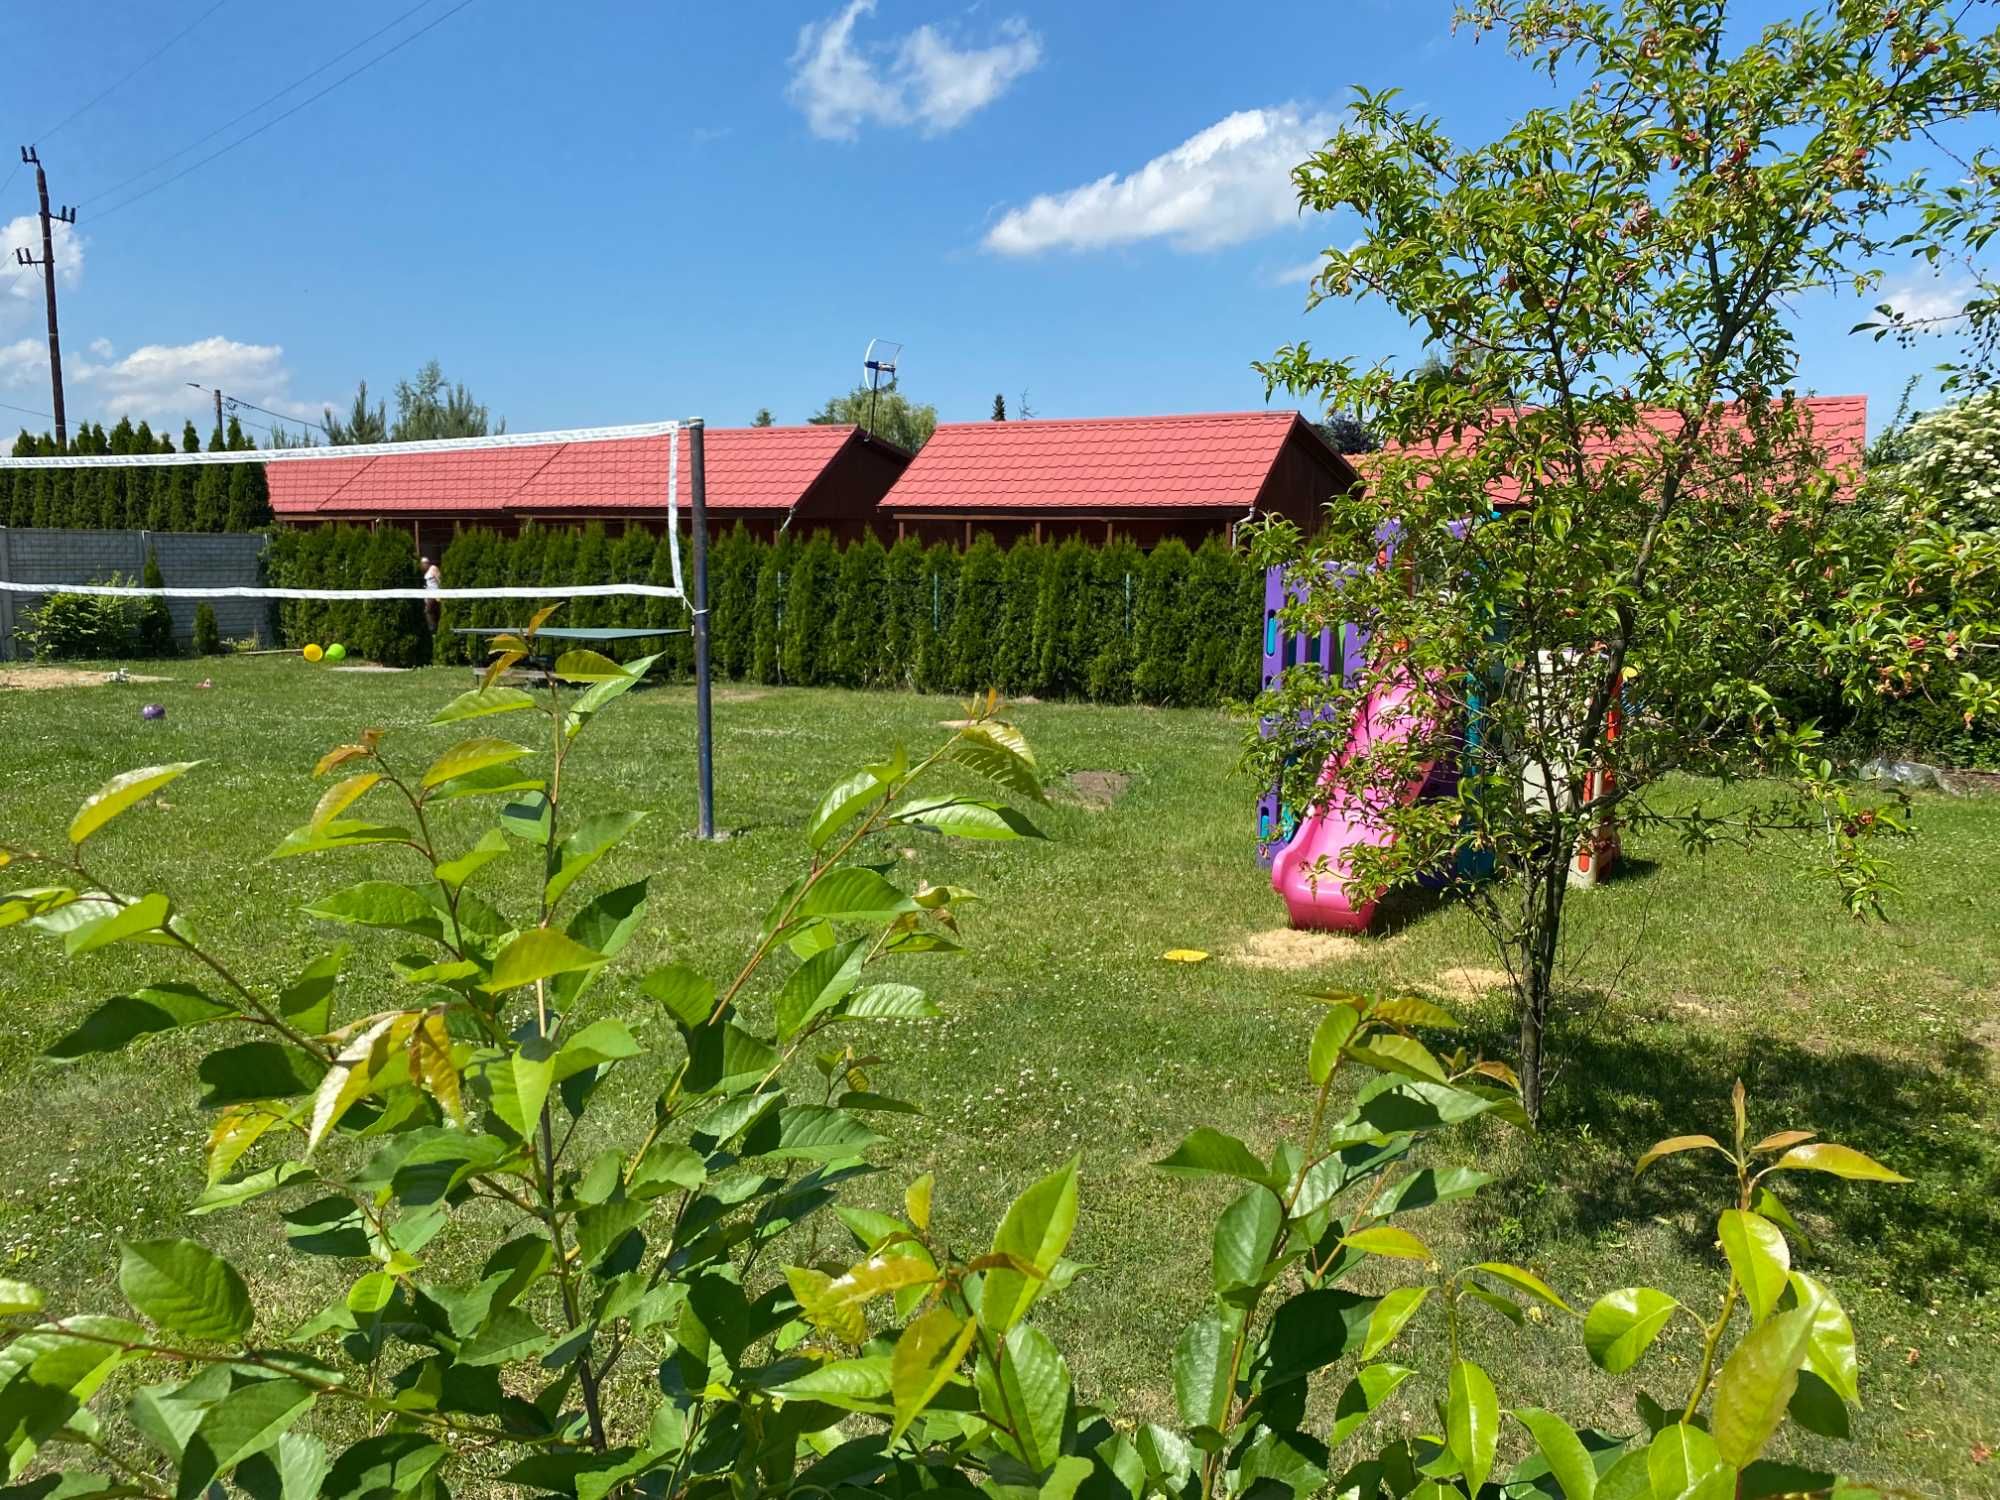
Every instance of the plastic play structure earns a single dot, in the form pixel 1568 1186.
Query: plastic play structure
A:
pixel 1315 893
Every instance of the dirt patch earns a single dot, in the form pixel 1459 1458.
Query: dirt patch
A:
pixel 1098 789
pixel 1468 984
pixel 30 678
pixel 1289 948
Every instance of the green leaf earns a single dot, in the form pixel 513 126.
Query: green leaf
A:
pixel 998 752
pixel 1759 1256
pixel 1204 1368
pixel 1831 1353
pixel 135 918
pixel 120 793
pixel 851 1384
pixel 1390 1314
pixel 1841 1161
pixel 1034 1384
pixel 598 1043
pixel 594 838
pixel 1387 1239
pixel 455 872
pixel 1675 1144
pixel 18 1297
pixel 539 953
pixel 854 893
pixel 518 1084
pixel 1817 1407
pixel 688 995
pixel 494 781
pixel 1036 1230
pixel 1627 1479
pixel 248 1420
pixel 840 805
pixel 341 833
pixel 889 1002
pixel 1623 1324
pixel 1412 1010
pixel 1363 1396
pixel 482 701
pixel 964 818
pixel 588 666
pixel 350 1079
pixel 613 687
pixel 391 1466
pixel 121 1020
pixel 604 924
pixel 184 1288
pixel 1398 1054
pixel 307 1002
pixel 471 755
pixel 1568 1459
pixel 256 1070
pixel 1756 1384
pixel 342 795
pixel 1683 1463
pixel 1210 1153
pixel 293 1470
pixel 1472 1422
pixel 382 903
pixel 1329 1038
pixel 727 1059
pixel 508 1336
pixel 926 1355
pixel 1525 1280
pixel 1244 1237
pixel 818 1132
pixel 819 984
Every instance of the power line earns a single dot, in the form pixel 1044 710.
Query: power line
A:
pixel 250 135
pixel 134 73
pixel 253 109
pixel 301 421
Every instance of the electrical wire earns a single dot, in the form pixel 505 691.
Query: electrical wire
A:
pixel 236 120
pixel 250 135
pixel 235 401
pixel 153 57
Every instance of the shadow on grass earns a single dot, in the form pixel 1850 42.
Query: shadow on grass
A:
pixel 1620 1091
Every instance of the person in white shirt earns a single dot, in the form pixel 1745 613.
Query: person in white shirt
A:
pixel 433 580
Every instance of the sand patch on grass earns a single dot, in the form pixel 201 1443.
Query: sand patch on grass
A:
pixel 1098 790
pixel 31 678
pixel 1464 983
pixel 1290 948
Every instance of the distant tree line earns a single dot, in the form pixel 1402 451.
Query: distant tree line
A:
pixel 199 497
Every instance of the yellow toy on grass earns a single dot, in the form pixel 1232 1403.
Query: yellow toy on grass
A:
pixel 312 651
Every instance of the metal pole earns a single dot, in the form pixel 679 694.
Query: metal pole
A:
pixel 704 737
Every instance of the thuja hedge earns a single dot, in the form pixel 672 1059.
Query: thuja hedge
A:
pixel 197 497
pixel 1106 623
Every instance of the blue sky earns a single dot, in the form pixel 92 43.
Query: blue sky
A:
pixel 600 212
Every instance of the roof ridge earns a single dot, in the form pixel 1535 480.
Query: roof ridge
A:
pixel 1284 414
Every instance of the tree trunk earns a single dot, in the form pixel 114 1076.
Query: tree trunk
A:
pixel 1548 886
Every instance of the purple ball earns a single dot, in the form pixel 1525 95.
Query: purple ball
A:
pixel 153 711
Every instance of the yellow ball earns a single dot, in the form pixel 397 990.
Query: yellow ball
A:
pixel 312 652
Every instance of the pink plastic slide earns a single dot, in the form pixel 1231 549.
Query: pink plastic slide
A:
pixel 1346 822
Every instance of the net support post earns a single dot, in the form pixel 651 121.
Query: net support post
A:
pixel 704 737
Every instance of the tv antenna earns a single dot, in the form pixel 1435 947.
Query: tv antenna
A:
pixel 880 360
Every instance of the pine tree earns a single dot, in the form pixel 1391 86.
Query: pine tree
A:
pixel 733 563
pixel 1160 673
pixel 903 581
pixel 591 563
pixel 207 633
pixel 999 408
pixel 1114 606
pixel 391 631
pixel 248 499
pixel 1064 669
pixel 975 623
pixel 937 601
pixel 857 617
pixel 1216 626
pixel 211 490
pixel 809 607
pixel 463 562
pixel 767 631
pixel 141 484
pixel 156 621
pixel 1017 669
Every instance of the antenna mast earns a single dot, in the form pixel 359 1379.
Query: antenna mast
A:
pixel 879 360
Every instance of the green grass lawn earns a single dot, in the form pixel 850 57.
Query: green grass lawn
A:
pixel 1064 1032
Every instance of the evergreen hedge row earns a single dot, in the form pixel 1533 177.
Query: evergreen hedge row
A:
pixel 201 497
pixel 1102 623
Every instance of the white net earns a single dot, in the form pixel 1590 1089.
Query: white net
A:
pixel 670 481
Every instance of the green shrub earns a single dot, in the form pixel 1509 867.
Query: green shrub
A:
pixel 1017 666
pixel 857 627
pixel 207 634
pixel 1217 629
pixel 1160 673
pixel 931 614
pixel 810 601
pixel 767 631
pixel 1062 627
pixel 393 632
pixel 155 633
pixel 905 602
pixel 975 622
pixel 83 627
pixel 733 563
pixel 1111 624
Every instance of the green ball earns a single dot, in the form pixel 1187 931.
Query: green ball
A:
pixel 336 652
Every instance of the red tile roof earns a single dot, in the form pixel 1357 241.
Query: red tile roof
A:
pixel 1215 460
pixel 1837 424
pixel 747 468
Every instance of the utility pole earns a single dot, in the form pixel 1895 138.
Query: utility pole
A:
pixel 48 264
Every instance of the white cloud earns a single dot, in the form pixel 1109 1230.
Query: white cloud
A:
pixel 21 287
pixel 1297 275
pixel 150 383
pixel 1229 183
pixel 1920 298
pixel 922 79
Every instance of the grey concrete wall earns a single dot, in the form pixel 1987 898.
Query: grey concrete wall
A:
pixel 33 554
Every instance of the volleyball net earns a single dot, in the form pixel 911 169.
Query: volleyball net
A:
pixel 649 494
